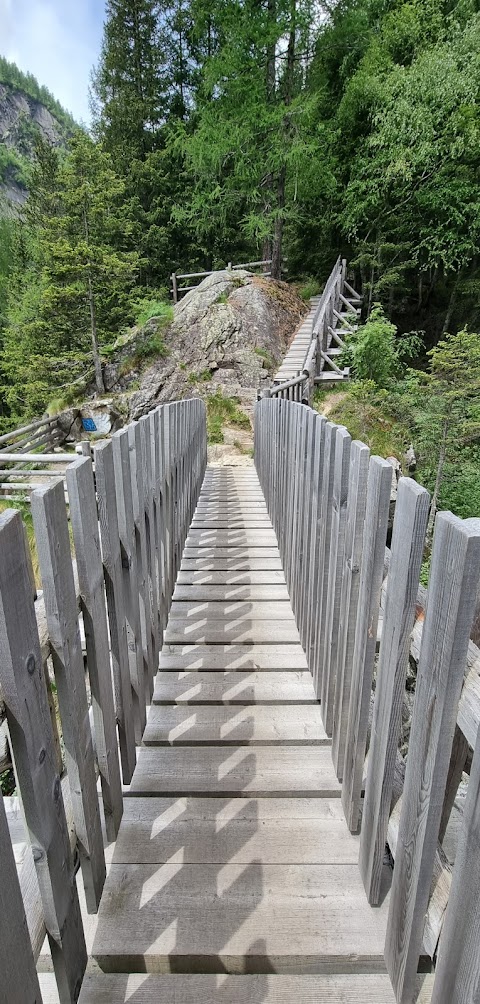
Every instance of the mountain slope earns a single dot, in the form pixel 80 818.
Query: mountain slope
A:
pixel 27 111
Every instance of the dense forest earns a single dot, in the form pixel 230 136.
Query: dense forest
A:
pixel 288 129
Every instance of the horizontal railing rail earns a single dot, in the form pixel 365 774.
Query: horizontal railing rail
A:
pixel 77 668
pixel 329 502
pixel 325 329
pixel 176 276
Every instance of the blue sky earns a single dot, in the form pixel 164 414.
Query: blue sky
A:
pixel 56 40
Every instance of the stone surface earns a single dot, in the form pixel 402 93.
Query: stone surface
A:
pixel 227 335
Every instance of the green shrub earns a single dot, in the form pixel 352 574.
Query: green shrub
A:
pixel 224 411
pixel 311 287
pixel 155 306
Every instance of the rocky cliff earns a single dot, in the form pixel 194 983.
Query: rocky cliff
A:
pixel 24 117
pixel 227 336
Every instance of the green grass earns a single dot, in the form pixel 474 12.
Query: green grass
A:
pixel 224 411
pixel 203 377
pixel 263 354
pixel 155 306
pixel 367 418
pixel 310 287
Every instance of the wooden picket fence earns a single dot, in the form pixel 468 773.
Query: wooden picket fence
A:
pixel 329 503
pixel 129 513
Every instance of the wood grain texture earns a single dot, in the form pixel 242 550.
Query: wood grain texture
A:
pixel 355 518
pixel 234 688
pixel 224 725
pixel 457 979
pixel 84 520
pixel 254 989
pixel 229 657
pixel 241 830
pixel 228 610
pixel 53 545
pixel 30 728
pixel 200 917
pixel 373 551
pixel 454 577
pixel 262 771
pixel 19 977
pixel 409 528
pixel 223 591
pixel 240 630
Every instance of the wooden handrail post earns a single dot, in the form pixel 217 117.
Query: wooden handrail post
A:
pixel 454 580
pixel 174 287
pixel 30 728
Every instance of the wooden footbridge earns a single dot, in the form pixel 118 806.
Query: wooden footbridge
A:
pixel 226 627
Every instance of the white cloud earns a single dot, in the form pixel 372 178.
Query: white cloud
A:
pixel 56 40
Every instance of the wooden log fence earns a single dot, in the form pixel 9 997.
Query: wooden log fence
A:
pixel 329 502
pixel 177 290
pixel 129 512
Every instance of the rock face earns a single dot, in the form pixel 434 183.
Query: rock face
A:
pixel 22 119
pixel 228 335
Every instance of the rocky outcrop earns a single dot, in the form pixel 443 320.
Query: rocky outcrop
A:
pixel 228 335
pixel 22 119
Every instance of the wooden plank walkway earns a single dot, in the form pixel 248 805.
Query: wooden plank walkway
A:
pixel 233 855
pixel 294 360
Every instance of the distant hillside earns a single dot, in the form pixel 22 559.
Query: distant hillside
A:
pixel 26 111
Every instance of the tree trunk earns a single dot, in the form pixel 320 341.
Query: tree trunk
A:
pixel 97 362
pixel 278 235
pixel 282 176
pixel 439 478
pixel 452 304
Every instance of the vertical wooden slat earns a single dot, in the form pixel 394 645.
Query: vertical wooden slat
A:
pixel 19 981
pixel 373 552
pixel 318 479
pixel 30 729
pixel 409 528
pixel 84 519
pixel 454 579
pixel 138 499
pixel 150 536
pixel 160 512
pixel 457 976
pixel 330 639
pixel 53 546
pixel 458 758
pixel 113 574
pixel 356 506
pixel 126 527
pixel 324 554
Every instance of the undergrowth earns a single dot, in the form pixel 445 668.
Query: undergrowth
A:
pixel 222 411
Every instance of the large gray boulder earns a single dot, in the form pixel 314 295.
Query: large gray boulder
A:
pixel 228 335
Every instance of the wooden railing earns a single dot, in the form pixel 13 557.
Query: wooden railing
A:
pixel 176 290
pixel 129 514
pixel 326 333
pixel 27 453
pixel 329 502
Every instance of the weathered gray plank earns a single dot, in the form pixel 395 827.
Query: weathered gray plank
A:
pixel 254 989
pixel 356 506
pixel 224 562
pixel 373 550
pixel 30 727
pixel 227 593
pixel 234 688
pixel 262 771
pixel 224 725
pixel 240 630
pixel 83 515
pixel 126 527
pixel 231 538
pixel 458 963
pixel 330 639
pixel 410 524
pixel 243 830
pixel 454 579
pixel 53 545
pixel 236 920
pixel 113 575
pixel 231 610
pixel 140 544
pixel 247 577
pixel 19 977
pixel 211 657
